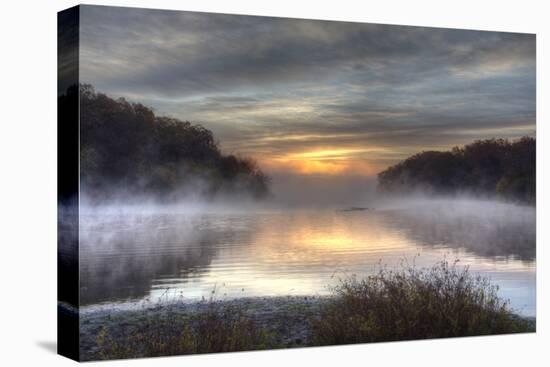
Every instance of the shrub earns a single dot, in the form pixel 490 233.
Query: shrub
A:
pixel 442 301
pixel 219 329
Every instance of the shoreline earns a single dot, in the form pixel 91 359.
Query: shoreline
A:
pixel 286 318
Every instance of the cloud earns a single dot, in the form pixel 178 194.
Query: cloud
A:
pixel 274 87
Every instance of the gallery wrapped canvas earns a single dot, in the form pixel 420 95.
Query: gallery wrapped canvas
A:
pixel 236 183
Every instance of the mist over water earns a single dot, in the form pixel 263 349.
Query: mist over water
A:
pixel 296 244
pixel 323 191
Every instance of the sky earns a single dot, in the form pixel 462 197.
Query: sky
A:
pixel 310 97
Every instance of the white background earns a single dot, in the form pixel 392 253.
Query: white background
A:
pixel 28 182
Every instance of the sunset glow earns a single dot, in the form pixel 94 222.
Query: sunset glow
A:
pixel 324 161
pixel 307 97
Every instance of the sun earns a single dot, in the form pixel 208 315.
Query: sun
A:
pixel 324 161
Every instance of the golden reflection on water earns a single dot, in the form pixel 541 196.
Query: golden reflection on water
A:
pixel 300 255
pixel 297 253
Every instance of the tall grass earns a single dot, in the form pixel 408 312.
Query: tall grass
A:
pixel 438 302
pixel 442 301
pixel 218 329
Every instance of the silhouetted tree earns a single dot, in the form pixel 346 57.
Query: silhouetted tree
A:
pixel 125 147
pixel 491 166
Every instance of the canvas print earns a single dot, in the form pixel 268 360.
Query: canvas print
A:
pixel 237 183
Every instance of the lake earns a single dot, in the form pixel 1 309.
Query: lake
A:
pixel 160 255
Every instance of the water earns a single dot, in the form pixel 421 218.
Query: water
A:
pixel 164 255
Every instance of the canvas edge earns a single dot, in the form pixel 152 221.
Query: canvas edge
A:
pixel 68 328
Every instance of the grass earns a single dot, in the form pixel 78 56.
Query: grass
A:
pixel 219 329
pixel 438 302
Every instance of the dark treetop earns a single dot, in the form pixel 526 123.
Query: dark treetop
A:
pixel 125 148
pixel 489 167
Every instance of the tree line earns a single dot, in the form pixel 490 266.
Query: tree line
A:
pixel 494 167
pixel 125 147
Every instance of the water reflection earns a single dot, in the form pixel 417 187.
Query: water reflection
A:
pixel 501 231
pixel 296 252
pixel 125 257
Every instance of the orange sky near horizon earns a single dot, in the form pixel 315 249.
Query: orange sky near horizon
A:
pixel 313 97
pixel 348 155
pixel 328 161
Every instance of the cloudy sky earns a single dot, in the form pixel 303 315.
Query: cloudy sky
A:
pixel 314 97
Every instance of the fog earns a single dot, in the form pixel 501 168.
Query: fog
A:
pixel 302 192
pixel 133 249
pixel 322 191
pixel 287 191
pixel 488 228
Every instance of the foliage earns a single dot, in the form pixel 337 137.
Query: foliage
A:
pixel 219 329
pixel 442 301
pixel 494 166
pixel 125 147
